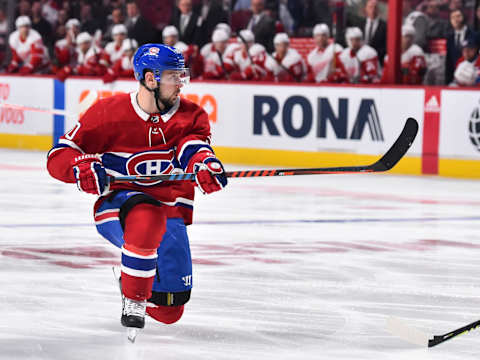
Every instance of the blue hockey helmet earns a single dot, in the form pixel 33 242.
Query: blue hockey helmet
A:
pixel 157 58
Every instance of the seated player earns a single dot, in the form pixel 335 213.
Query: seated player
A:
pixel 248 61
pixel 87 59
pixel 467 71
pixel 213 56
pixel 358 62
pixel 323 60
pixel 113 50
pixel 413 62
pixel 65 48
pixel 285 64
pixel 29 55
pixel 123 67
pixel 190 53
pixel 148 132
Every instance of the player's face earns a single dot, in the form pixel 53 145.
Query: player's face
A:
pixel 356 43
pixel 119 38
pixel 170 84
pixel 23 30
pixel 469 53
pixel 84 46
pixel 220 46
pixel 281 48
pixel 321 40
pixel 170 40
pixel 407 41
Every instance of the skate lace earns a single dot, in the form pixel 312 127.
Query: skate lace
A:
pixel 134 308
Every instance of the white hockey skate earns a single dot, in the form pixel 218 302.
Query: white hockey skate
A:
pixel 133 316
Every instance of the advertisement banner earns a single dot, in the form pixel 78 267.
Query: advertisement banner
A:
pixel 26 91
pixel 460 125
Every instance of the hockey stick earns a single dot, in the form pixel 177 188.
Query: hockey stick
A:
pixel 386 162
pixel 408 333
pixel 82 106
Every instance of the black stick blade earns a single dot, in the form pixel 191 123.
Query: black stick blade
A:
pixel 399 148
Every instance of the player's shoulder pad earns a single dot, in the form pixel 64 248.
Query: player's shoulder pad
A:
pixel 181 46
pixel 34 35
pixel 110 47
pixel 206 49
pixel 292 57
pixel 14 38
pixel 366 52
pixel 338 47
pixel 192 109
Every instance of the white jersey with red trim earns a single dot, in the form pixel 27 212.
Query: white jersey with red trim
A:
pixel 291 67
pixel 65 52
pixel 113 52
pixel 257 53
pixel 92 55
pixel 358 64
pixel 29 50
pixel 411 53
pixel 321 61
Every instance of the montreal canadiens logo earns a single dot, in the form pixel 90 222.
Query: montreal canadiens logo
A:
pixel 153 51
pixel 151 163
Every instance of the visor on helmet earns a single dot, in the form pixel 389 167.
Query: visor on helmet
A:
pixel 180 76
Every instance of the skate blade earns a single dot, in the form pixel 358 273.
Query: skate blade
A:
pixel 132 334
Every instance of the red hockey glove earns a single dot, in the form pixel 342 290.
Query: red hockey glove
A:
pixel 13 67
pixel 210 173
pixel 90 174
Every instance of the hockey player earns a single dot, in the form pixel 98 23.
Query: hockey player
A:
pixel 65 48
pixel 123 67
pixel 87 59
pixel 29 55
pixel 113 50
pixel 323 60
pixel 358 62
pixel 150 131
pixel 247 62
pixel 190 53
pixel 467 71
pixel 286 64
pixel 213 56
pixel 413 62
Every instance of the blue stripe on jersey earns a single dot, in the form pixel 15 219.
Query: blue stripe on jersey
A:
pixel 58 146
pixel 139 264
pixel 115 163
pixel 189 151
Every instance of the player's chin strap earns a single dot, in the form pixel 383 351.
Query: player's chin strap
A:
pixel 158 99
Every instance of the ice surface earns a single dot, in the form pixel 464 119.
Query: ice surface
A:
pixel 306 267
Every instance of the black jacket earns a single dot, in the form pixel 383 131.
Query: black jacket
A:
pixel 454 53
pixel 264 31
pixel 215 15
pixel 379 38
pixel 142 31
pixel 192 33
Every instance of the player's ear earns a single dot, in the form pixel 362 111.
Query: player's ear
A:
pixel 149 79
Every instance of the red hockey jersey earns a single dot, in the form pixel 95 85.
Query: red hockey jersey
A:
pixel 133 142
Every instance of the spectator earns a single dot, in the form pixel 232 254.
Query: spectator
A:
pixel 248 63
pixel 190 53
pixel 242 5
pixel 315 12
pixel 413 60
pixel 324 58
pixel 65 49
pixel 49 11
pixel 40 24
pixel 212 54
pixel 89 24
pixel 285 64
pixel 187 22
pixel 138 27
pixel 437 27
pixel 113 50
pixel 3 35
pixel 62 17
pixel 459 32
pixel 359 62
pixel 419 21
pixel 24 8
pixel 115 18
pixel 375 29
pixel 29 55
pixel 211 13
pixel 123 67
pixel 476 22
pixel 262 25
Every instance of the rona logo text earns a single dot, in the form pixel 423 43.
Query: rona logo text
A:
pixel 266 108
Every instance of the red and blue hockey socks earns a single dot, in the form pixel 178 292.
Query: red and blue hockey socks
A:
pixel 145 225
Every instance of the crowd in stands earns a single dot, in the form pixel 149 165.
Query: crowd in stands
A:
pixel 245 39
